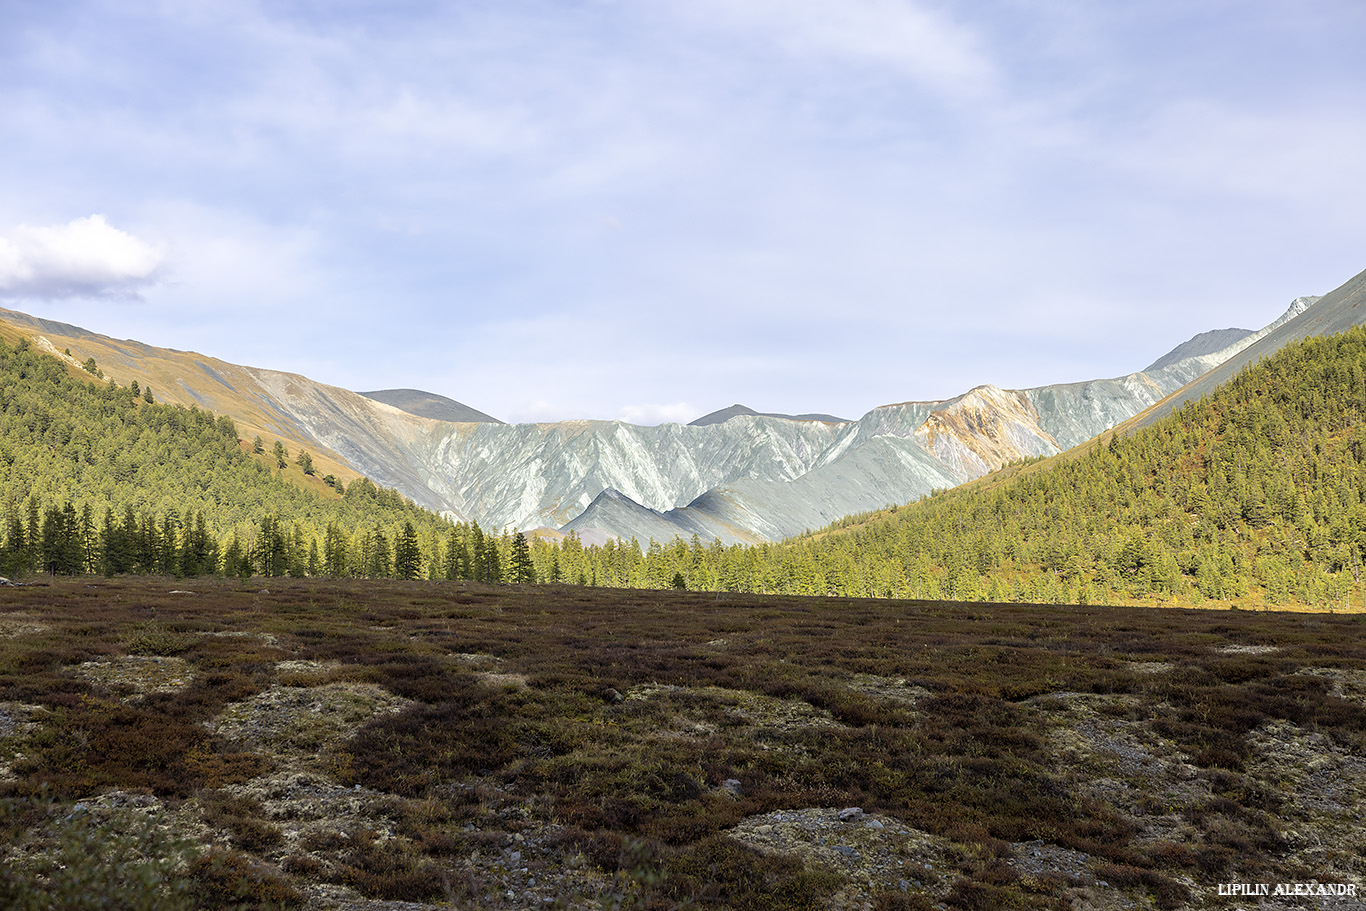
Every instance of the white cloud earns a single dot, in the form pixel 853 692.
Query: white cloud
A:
pixel 86 257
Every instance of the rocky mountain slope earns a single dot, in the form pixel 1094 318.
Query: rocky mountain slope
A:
pixel 725 414
pixel 898 453
pixel 430 405
pixel 744 478
pixel 1205 343
pixel 1335 312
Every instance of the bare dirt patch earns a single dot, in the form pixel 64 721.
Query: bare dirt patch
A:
pixel 1148 668
pixel 874 852
pixel 1345 684
pixel 1111 755
pixel 17 720
pixel 137 675
pixel 761 711
pixel 13 626
pixel 301 724
pixel 895 689
pixel 1325 790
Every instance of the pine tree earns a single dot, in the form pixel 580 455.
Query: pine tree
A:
pixel 236 561
pixel 271 557
pixel 89 540
pixel 522 569
pixel 168 563
pixel 14 543
pixel 407 553
pixel 336 562
pixel 298 552
pixel 491 563
pixel 379 566
pixel 478 557
pixel 33 537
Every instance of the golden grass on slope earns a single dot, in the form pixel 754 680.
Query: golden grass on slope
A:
pixel 220 387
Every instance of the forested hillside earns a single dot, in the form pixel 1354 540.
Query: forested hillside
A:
pixel 96 477
pixel 1253 495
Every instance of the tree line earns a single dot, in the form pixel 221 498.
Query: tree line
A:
pixel 66 540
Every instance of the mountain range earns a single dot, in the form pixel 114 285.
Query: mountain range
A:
pixel 736 475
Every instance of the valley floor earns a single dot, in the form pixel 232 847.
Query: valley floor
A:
pixel 383 746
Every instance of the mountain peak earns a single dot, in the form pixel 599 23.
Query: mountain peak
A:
pixel 1205 343
pixel 430 405
pixel 723 415
pixel 736 410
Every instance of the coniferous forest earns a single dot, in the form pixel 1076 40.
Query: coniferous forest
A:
pixel 98 478
pixel 1254 495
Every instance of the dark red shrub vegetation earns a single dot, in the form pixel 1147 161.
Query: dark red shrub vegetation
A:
pixel 903 901
pixel 99 744
pixel 635 777
pixel 243 818
pixel 721 872
pixel 231 880
pixel 390 871
pixel 1167 893
pixel 428 745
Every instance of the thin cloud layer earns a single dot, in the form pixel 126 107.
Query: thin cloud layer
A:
pixel 87 257
pixel 905 36
pixel 553 211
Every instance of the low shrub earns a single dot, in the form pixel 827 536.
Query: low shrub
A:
pixel 95 861
pixel 243 818
pixel 226 879
pixel 392 871
pixel 155 639
pixel 426 745
pixel 99 744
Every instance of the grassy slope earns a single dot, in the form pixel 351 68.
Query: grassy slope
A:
pixel 70 438
pixel 228 391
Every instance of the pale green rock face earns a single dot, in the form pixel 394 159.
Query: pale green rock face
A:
pixel 747 478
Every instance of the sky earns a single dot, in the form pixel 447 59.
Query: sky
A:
pixel 650 210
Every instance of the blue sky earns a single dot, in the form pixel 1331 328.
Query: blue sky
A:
pixel 649 210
